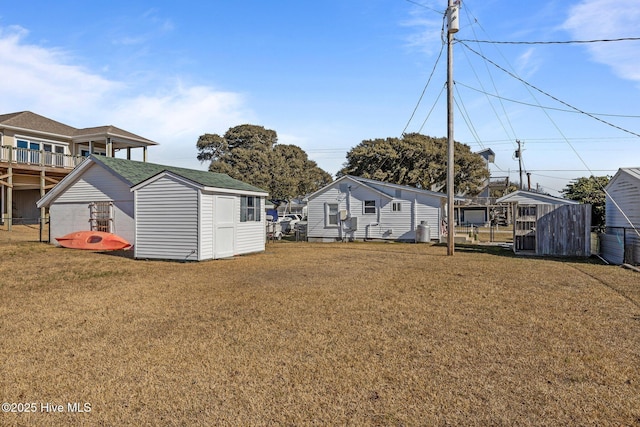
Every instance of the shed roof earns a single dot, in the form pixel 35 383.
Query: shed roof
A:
pixel 135 172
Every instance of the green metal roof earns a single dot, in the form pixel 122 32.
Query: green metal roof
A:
pixel 135 172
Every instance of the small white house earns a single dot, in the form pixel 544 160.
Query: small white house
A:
pixel 354 208
pixel 165 212
pixel 621 242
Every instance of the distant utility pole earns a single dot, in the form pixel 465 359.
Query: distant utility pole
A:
pixel 452 28
pixel 519 157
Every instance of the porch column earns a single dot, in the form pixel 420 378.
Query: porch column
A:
pixel 109 148
pixel 128 153
pixel 90 147
pixel 144 154
pixel 9 216
pixel 42 193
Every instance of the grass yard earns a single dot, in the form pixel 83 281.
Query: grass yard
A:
pixel 322 334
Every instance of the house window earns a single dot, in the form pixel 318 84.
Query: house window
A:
pixel 249 208
pixel 396 207
pixel 331 214
pixel 369 206
pixel 101 216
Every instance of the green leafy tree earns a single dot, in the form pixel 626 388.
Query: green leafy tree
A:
pixel 417 160
pixel 590 190
pixel 252 154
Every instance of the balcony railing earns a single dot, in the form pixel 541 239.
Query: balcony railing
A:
pixel 26 156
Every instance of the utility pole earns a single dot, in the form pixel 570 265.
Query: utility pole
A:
pixel 452 28
pixel 519 157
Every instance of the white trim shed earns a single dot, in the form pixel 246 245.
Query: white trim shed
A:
pixel 168 212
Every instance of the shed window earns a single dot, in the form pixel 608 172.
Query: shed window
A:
pixel 249 208
pixel 101 216
pixel 370 206
pixel 396 206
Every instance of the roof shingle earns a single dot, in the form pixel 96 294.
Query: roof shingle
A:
pixel 136 172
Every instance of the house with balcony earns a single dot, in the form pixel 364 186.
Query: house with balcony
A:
pixel 37 152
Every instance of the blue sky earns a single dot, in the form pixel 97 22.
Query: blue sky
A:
pixel 327 75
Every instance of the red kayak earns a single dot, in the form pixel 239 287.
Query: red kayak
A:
pixel 93 240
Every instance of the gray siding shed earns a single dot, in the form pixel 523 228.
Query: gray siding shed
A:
pixel 372 210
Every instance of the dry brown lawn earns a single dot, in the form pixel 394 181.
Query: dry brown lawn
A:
pixel 317 334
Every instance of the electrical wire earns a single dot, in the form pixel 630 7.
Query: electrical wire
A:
pixel 433 70
pixel 432 108
pixel 622 39
pixel 424 6
pixel 548 94
pixel 545 107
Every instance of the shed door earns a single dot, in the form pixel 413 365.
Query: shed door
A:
pixel 224 220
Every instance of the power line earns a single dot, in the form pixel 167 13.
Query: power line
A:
pixel 547 108
pixel 424 6
pixel 424 122
pixel 553 42
pixel 548 94
pixel 424 90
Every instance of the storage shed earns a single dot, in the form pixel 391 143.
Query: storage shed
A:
pixel 165 212
pixel 620 243
pixel 549 226
pixel 355 208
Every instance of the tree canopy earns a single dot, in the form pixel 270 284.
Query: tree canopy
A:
pixel 589 190
pixel 417 160
pixel 252 154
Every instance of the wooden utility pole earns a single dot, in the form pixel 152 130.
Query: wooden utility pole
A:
pixel 519 157
pixel 452 28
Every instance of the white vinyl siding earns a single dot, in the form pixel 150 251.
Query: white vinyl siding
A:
pixel 167 220
pixel 96 184
pixel 625 190
pixel 70 217
pixel 71 212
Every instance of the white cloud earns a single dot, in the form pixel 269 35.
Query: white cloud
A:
pixel 44 81
pixel 428 34
pixel 609 19
pixel 34 77
pixel 528 63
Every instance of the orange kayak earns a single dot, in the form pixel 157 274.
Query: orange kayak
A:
pixel 93 240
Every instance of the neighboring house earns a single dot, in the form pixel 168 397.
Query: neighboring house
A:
pixel 620 243
pixel 477 210
pixel 165 212
pixel 547 225
pixel 354 208
pixel 37 152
